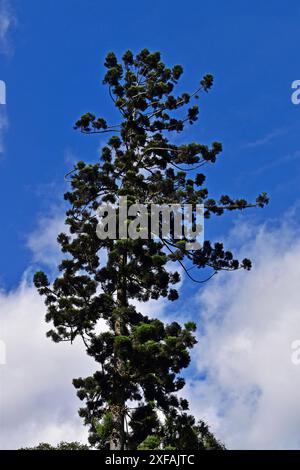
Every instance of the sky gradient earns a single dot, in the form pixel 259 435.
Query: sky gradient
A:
pixel 51 59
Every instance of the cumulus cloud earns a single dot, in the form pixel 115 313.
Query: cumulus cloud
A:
pixel 246 385
pixel 37 400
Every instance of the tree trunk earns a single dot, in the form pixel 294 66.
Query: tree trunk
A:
pixel 118 438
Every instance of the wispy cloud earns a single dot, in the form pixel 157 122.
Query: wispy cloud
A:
pixel 43 240
pixel 281 161
pixel 267 138
pixel 7 22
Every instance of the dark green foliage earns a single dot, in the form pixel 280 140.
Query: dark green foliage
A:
pixel 140 359
pixel 181 432
pixel 62 446
pixel 100 437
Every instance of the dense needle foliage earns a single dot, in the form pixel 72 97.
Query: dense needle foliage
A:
pixel 139 359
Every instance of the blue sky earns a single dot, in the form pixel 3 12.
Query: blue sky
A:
pixel 54 71
pixel 51 59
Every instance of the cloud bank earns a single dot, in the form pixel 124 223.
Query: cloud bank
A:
pixel 246 385
pixel 244 382
pixel 37 400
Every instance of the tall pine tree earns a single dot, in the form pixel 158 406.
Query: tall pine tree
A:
pixel 139 358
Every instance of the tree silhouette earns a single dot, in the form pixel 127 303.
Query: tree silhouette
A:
pixel 140 358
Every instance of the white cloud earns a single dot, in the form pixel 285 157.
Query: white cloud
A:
pixel 250 394
pixel 250 391
pixel 267 138
pixel 43 240
pixel 7 22
pixel 37 399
